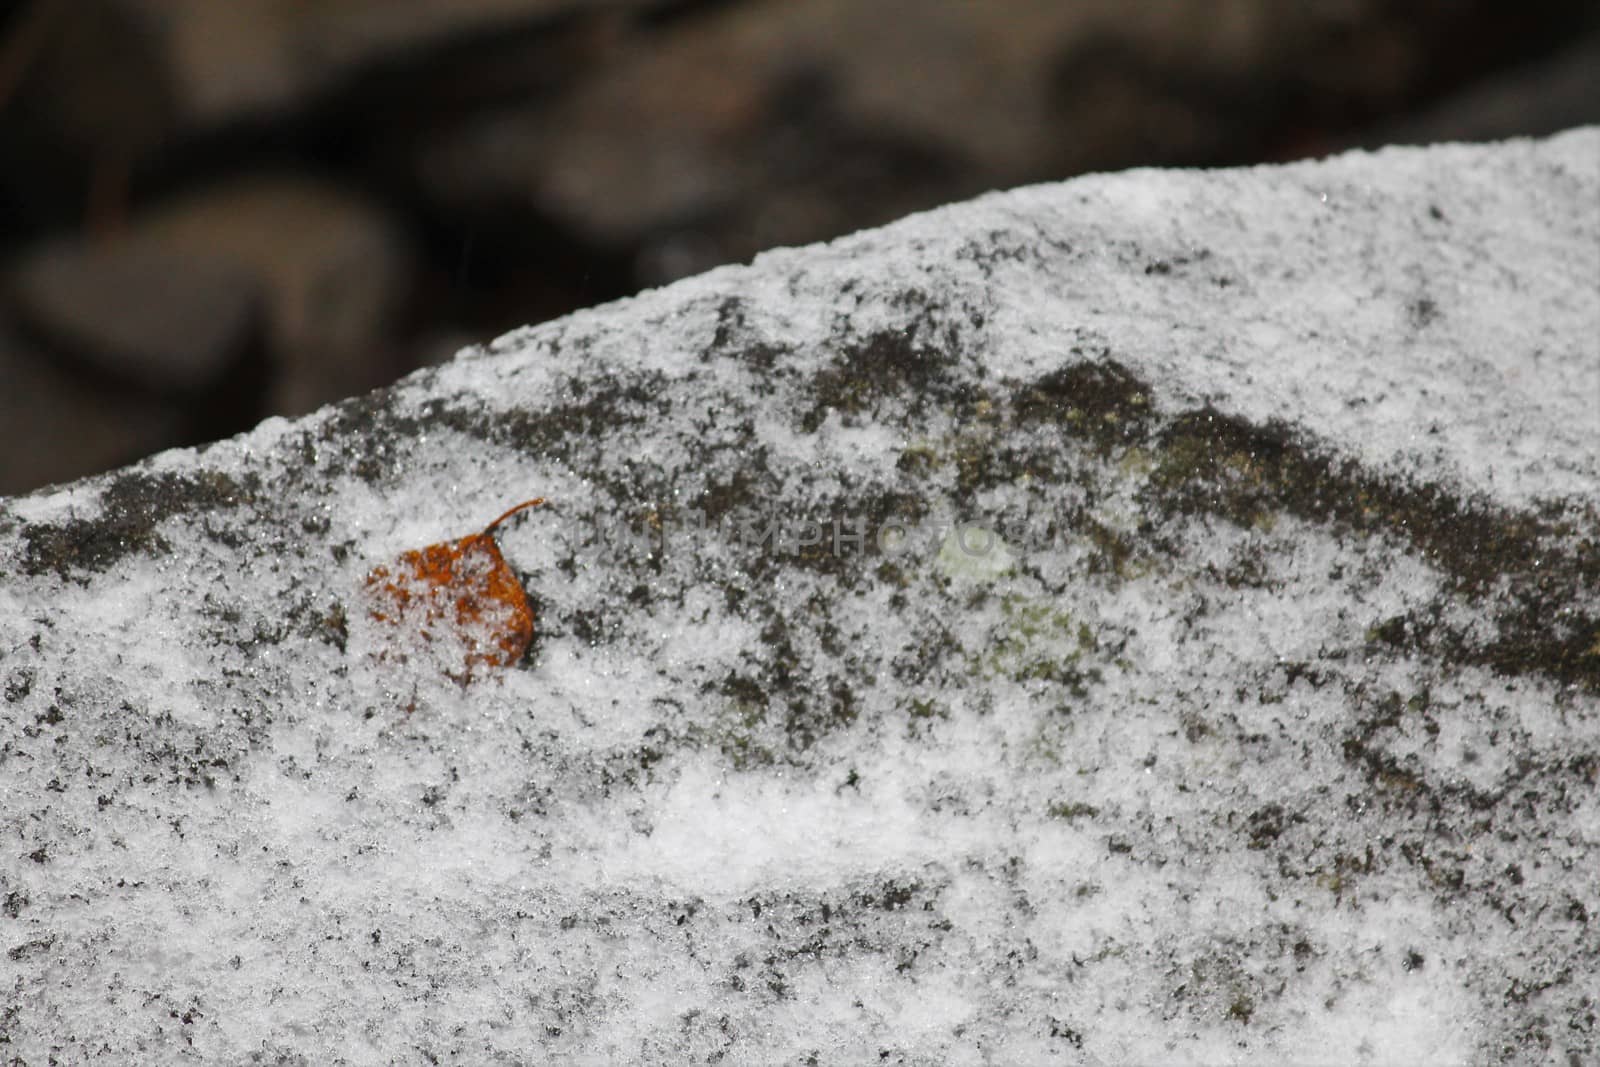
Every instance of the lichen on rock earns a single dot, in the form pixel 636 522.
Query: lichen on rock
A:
pixel 1264 724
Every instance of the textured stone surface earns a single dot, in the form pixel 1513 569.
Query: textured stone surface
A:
pixel 1268 730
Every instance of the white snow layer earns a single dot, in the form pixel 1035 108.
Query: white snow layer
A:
pixel 1145 619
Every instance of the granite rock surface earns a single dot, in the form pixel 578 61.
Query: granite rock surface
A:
pixel 1151 618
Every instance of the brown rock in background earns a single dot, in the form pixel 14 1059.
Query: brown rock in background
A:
pixel 396 172
pixel 82 102
pixel 1533 99
pixel 214 63
pixel 335 269
pixel 57 425
pixel 141 314
pixel 757 125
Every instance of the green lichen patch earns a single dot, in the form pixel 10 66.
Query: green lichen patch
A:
pixel 1264 826
pixel 1071 810
pixel 384 433
pixel 1038 641
pixel 976 554
pixel 736 337
pixel 779 703
pixel 738 725
pixel 841 535
pixel 741 491
pixel 1223 465
pixel 132 507
pixel 922 714
pixel 798 931
pixel 1098 400
pixel 1216 985
pixel 366 437
pixel 885 364
pixel 1205 464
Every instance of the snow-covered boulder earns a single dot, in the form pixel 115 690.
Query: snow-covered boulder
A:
pixel 1151 618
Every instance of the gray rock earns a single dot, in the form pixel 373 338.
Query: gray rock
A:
pixel 1215 676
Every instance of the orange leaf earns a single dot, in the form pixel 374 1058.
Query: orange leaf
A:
pixel 461 592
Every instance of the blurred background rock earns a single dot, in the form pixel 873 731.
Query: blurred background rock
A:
pixel 212 211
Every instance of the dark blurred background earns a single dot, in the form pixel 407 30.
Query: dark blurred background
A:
pixel 216 210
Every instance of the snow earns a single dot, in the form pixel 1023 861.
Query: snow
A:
pixel 1266 732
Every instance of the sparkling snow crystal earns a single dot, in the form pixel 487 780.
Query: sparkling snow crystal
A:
pixel 1151 618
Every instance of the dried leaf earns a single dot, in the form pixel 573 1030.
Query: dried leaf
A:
pixel 459 596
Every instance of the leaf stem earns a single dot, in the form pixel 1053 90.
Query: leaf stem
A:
pixel 535 502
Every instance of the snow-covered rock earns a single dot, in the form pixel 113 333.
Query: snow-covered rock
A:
pixel 1152 618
